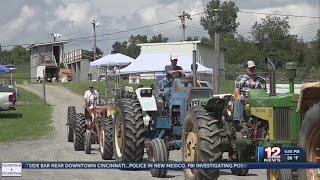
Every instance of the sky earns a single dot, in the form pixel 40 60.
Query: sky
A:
pixel 33 21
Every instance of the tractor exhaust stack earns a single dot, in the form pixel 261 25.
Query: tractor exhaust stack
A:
pixel 194 68
pixel 272 76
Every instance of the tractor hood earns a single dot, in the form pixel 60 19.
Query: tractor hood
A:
pixel 259 98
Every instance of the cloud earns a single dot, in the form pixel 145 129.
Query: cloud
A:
pixel 148 15
pixel 17 24
pixel 78 13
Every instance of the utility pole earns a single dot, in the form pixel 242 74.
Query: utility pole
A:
pixel 44 86
pixel 94 25
pixel 216 66
pixel 183 23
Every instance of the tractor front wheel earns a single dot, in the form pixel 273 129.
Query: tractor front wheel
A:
pixel 309 140
pixel 80 129
pixel 106 139
pixel 240 172
pixel 87 143
pixel 157 152
pixel 280 174
pixel 71 118
pixel 201 143
pixel 239 155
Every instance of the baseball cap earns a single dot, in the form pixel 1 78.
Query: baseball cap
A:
pixel 174 57
pixel 251 64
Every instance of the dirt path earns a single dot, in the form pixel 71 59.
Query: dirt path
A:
pixel 58 149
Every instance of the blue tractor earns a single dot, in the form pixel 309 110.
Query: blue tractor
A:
pixel 169 118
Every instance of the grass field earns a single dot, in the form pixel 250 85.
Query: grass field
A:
pixel 20 77
pixel 31 120
pixel 226 86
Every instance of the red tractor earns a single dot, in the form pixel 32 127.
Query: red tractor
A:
pixel 91 127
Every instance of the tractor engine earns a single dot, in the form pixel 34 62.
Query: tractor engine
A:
pixel 257 130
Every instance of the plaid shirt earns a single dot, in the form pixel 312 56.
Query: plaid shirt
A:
pixel 246 87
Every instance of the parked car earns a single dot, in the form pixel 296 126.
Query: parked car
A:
pixel 7 99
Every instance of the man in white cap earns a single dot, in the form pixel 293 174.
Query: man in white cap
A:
pixel 243 84
pixel 173 68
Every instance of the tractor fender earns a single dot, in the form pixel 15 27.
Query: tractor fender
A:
pixel 146 99
pixel 309 95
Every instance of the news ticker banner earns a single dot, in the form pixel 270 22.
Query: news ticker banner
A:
pixel 267 157
pixel 15 169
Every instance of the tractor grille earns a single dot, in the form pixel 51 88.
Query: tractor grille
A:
pixel 282 123
pixel 194 103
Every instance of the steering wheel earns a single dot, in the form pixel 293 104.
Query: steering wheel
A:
pixel 259 83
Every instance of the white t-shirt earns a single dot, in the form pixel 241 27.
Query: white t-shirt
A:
pixel 88 93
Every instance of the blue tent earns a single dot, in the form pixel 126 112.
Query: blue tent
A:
pixel 4 69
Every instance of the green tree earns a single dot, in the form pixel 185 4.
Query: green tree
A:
pixel 132 49
pixel 207 41
pixel 119 47
pixel 271 35
pixel 195 38
pixel 89 54
pixel 240 50
pixel 158 39
pixel 226 23
pixel 312 57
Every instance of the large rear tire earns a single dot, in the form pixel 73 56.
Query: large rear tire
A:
pixel 157 152
pixel 201 143
pixel 106 143
pixel 309 140
pixel 128 132
pixel 71 118
pixel 80 129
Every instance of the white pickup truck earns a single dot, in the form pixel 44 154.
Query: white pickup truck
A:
pixel 7 99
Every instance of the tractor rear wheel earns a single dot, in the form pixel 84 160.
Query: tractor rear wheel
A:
pixel 157 152
pixel 71 118
pixel 87 142
pixel 201 143
pixel 280 174
pixel 309 140
pixel 106 141
pixel 129 132
pixel 80 129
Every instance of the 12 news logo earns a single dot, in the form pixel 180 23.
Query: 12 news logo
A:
pixel 269 154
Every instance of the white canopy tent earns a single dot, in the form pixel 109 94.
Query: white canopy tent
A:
pixel 147 63
pixel 111 60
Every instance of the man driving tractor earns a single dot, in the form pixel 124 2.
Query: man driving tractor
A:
pixel 243 84
pixel 173 68
pixel 91 91
pixel 172 71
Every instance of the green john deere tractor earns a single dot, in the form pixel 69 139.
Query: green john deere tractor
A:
pixel 272 119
